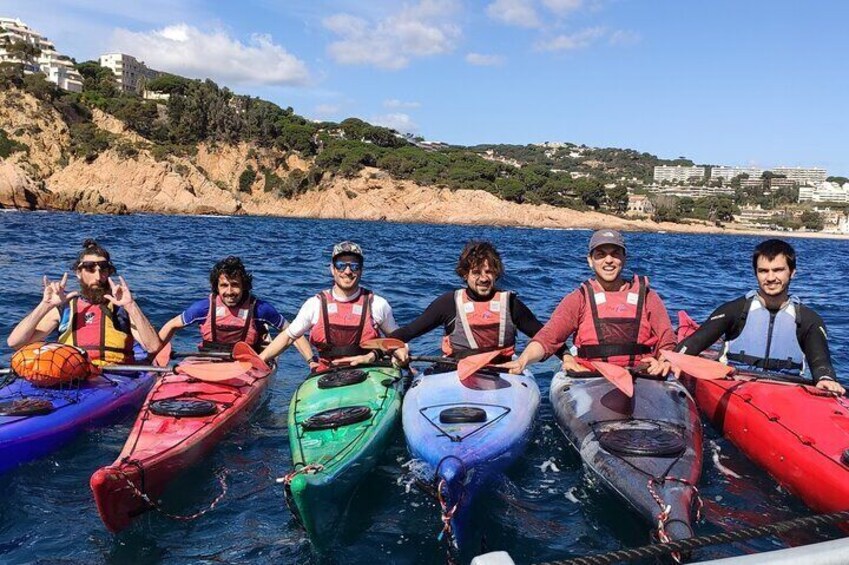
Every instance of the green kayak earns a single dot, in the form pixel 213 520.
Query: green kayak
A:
pixel 340 423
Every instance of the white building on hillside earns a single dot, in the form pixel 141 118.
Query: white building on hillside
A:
pixel 728 173
pixel 673 173
pixel 824 192
pixel 130 73
pixel 810 176
pixel 58 68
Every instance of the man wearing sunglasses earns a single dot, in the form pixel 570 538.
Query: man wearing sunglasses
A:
pixel 341 318
pixel 610 319
pixel 101 318
pixel 231 313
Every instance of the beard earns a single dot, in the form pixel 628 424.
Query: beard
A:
pixel 95 293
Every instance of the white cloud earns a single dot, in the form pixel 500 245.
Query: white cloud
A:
pixel 395 103
pixel 624 37
pixel 420 30
pixel 514 12
pixel 571 42
pixel 483 60
pixel 563 7
pixel 185 50
pixel 327 110
pixel 398 121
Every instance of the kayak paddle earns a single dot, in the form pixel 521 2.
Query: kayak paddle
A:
pixel 243 352
pixel 698 367
pixel 386 344
pixel 620 377
pixel 470 365
pixel 164 356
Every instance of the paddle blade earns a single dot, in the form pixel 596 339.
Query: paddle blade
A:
pixel 470 365
pixel 387 344
pixel 245 353
pixel 214 372
pixel 698 367
pixel 686 326
pixel 618 376
pixel 164 356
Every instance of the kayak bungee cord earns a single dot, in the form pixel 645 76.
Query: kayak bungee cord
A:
pixel 663 517
pixel 689 544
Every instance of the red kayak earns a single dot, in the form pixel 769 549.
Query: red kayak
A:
pixel 184 417
pixel 799 434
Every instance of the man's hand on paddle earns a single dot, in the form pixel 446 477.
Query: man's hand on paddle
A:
pixel 571 364
pixel 655 366
pixel 54 292
pixel 831 386
pixel 401 357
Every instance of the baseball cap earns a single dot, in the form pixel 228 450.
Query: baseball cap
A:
pixel 606 237
pixel 347 248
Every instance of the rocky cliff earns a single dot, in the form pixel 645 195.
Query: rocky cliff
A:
pixel 114 181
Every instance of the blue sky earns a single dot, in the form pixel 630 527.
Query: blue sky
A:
pixel 721 82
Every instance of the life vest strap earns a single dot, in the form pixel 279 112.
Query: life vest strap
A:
pixel 613 350
pixel 764 364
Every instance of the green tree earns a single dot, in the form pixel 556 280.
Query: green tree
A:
pixel 812 220
pixel 617 199
pixel 590 192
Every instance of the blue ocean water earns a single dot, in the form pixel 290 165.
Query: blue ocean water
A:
pixel 539 513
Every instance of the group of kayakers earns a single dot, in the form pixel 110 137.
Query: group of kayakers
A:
pixel 608 318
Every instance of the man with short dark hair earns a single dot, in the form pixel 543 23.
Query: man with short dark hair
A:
pixel 231 313
pixel 610 319
pixel 769 329
pixel 340 318
pixel 477 318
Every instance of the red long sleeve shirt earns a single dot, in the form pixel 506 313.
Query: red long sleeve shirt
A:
pixel 573 310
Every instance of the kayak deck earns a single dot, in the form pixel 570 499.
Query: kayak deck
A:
pixel 340 423
pixel 162 445
pixel 798 434
pixel 468 432
pixel 647 449
pixel 70 410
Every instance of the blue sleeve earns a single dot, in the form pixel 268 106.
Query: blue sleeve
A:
pixel 196 313
pixel 268 315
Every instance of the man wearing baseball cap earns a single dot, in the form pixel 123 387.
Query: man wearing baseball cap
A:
pixel 341 318
pixel 610 319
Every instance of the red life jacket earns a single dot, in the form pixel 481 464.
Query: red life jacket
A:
pixel 342 326
pixel 615 327
pixel 224 326
pixel 480 326
pixel 99 330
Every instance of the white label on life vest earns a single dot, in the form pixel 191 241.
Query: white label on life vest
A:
pixel 468 307
pixel 632 298
pixel 600 298
pixel 332 308
pixel 243 313
pixel 495 306
pixel 357 309
pixel 220 311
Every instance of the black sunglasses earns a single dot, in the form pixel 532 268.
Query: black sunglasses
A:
pixel 90 266
pixel 353 265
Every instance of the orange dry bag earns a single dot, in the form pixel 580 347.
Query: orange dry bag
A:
pixel 50 364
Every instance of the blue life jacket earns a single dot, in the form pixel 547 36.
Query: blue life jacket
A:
pixel 768 341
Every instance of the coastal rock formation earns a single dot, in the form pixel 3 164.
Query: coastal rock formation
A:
pixel 18 190
pixel 27 120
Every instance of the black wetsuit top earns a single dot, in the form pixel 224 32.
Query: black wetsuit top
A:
pixel 727 321
pixel 443 311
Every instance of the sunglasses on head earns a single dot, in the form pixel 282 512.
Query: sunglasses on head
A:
pixel 92 266
pixel 340 266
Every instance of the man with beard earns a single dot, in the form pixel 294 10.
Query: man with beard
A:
pixel 231 313
pixel 102 317
pixel 341 318
pixel 477 318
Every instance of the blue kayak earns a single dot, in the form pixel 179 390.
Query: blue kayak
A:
pixel 467 433
pixel 35 421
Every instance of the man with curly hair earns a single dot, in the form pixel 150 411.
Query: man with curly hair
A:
pixel 231 313
pixel 478 318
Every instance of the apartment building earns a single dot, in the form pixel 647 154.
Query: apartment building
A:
pixel 130 73
pixel 672 173
pixel 59 69
pixel 824 192
pixel 802 175
pixel 728 173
